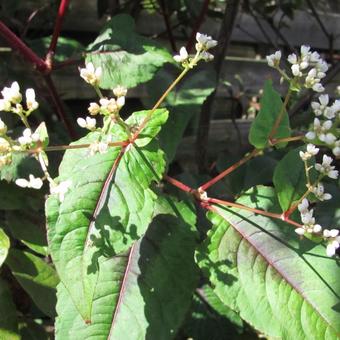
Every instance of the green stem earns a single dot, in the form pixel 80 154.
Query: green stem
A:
pixel 99 93
pixel 159 102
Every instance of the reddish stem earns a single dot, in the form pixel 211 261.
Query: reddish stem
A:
pixel 178 184
pixel 59 106
pixel 197 25
pixel 207 185
pixel 17 44
pixel 165 14
pixel 56 33
pixel 256 211
pixel 68 62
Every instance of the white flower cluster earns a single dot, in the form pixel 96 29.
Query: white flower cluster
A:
pixel 12 98
pixel 309 226
pixel 91 74
pixel 307 69
pixel 203 44
pixel 326 169
pixel 330 236
pixel 307 219
pixel 32 182
pixel 310 67
pixel 325 127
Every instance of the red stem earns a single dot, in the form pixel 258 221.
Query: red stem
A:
pixel 178 184
pixel 59 106
pixel 17 44
pixel 256 211
pixel 207 185
pixel 57 27
pixel 197 25
pixel 165 14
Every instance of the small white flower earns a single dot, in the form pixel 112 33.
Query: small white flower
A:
pixel 336 148
pixel 18 109
pixel 32 182
pixel 315 57
pixel 307 217
pixel 88 123
pixel 61 189
pixel 97 146
pixel 4 145
pixel 90 74
pixel 104 102
pixel 3 127
pixel 333 239
pixel 311 151
pixel 119 91
pixel 303 206
pixel 318 87
pixel 328 138
pixel 204 41
pixel 319 192
pixel 12 94
pixel 94 109
pixel 300 231
pixel 182 56
pixel 31 103
pixel 206 56
pixel 304 50
pixel 120 102
pixel 28 137
pixel 326 168
pixel 296 70
pixel 5 105
pixel 273 60
pixel 292 58
pixel 113 106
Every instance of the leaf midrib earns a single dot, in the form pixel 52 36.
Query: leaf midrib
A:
pixel 247 238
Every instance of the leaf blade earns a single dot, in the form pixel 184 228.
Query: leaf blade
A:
pixel 139 286
pixel 107 209
pixel 283 287
pixel 271 106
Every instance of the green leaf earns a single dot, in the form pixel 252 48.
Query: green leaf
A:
pixel 290 178
pixel 8 314
pixel 153 127
pixel 66 48
pixel 283 286
pixel 20 167
pixel 254 172
pixel 271 106
pixel 4 246
pixel 29 229
pixel 126 57
pixel 216 303
pixel 146 292
pixel 43 134
pixel 109 206
pixel 37 278
pixel 184 104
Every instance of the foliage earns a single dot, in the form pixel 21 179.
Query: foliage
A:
pixel 95 243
